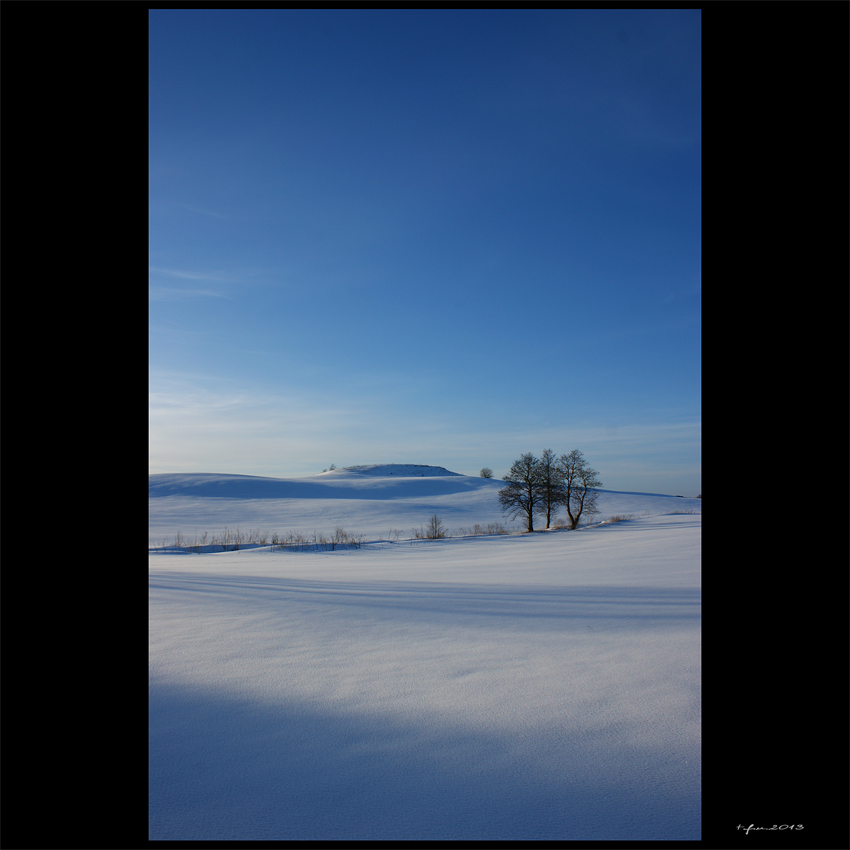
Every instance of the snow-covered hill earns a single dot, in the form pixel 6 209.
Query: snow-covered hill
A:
pixel 402 470
pixel 368 500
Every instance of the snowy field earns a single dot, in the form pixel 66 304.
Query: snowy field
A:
pixel 369 500
pixel 513 687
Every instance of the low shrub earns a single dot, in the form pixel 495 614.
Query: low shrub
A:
pixel 479 530
pixel 435 530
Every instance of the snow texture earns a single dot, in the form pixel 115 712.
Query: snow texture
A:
pixel 517 687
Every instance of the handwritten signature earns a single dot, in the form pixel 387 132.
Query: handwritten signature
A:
pixel 781 826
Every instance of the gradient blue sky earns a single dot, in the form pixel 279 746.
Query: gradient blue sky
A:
pixel 426 236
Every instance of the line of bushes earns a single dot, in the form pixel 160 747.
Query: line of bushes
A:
pixel 231 541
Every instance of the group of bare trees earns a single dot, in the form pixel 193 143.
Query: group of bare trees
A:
pixel 539 486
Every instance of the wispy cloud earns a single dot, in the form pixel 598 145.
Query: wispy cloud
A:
pixel 177 293
pixel 191 275
pixel 168 293
pixel 199 211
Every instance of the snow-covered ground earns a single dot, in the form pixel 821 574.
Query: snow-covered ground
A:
pixel 366 500
pixel 520 687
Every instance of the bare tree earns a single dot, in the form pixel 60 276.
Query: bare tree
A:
pixel 486 472
pixel 524 494
pixel 551 482
pixel 579 488
pixel 435 530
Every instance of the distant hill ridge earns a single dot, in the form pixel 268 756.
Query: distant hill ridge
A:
pixel 403 470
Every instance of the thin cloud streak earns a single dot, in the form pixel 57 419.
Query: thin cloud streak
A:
pixel 166 293
pixel 199 211
pixel 192 275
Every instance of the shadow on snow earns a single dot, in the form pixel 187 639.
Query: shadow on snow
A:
pixel 228 767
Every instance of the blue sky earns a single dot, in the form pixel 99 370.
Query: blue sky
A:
pixel 426 236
